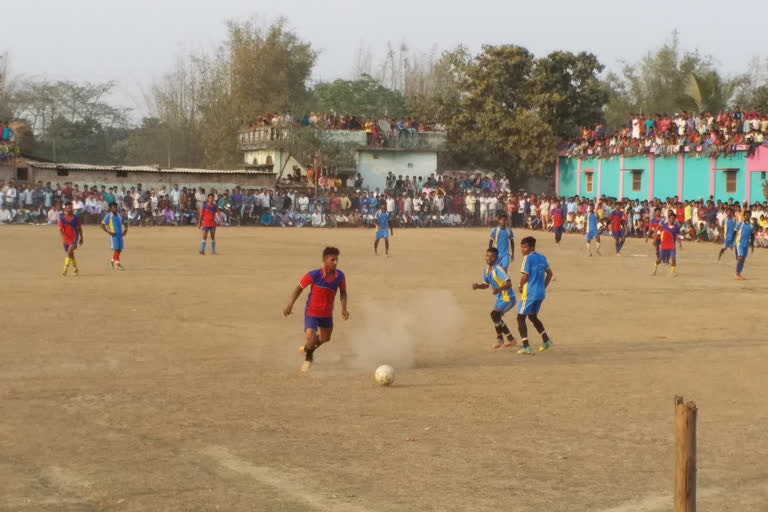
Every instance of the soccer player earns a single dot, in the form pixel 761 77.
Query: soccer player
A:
pixel 745 237
pixel 115 226
pixel 71 230
pixel 557 222
pixel 654 229
pixel 728 233
pixel 318 314
pixel 504 241
pixel 669 231
pixel 533 283
pixel 382 222
pixel 495 277
pixel 591 230
pixel 210 215
pixel 618 223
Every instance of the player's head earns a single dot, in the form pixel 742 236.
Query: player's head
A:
pixel 491 255
pixel 113 207
pixel 672 216
pixel 502 219
pixel 747 214
pixel 657 212
pixel 591 208
pixel 527 245
pixel 68 208
pixel 210 198
pixel 330 258
pixel 383 207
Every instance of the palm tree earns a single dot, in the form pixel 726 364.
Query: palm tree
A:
pixel 708 92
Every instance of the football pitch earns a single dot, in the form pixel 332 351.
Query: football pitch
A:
pixel 175 385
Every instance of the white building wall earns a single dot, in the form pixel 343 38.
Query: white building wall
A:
pixel 374 166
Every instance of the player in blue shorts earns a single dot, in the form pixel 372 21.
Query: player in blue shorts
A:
pixel 745 238
pixel 496 278
pixel 729 232
pixel 533 283
pixel 115 226
pixel 382 224
pixel 503 240
pixel 654 230
pixel 210 216
pixel 669 231
pixel 591 230
pixel 318 314
pixel 618 227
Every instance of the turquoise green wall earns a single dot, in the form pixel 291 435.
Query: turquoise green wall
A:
pixel 609 185
pixel 695 178
pixel 756 188
pixel 588 164
pixel 567 184
pixel 665 177
pixel 737 161
pixel 641 163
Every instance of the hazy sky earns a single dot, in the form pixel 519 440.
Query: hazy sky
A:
pixel 134 42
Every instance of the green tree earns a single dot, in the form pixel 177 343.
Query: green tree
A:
pixel 708 92
pixel 364 97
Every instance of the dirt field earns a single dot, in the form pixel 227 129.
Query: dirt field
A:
pixel 175 385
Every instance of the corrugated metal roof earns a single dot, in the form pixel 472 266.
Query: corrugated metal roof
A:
pixel 141 168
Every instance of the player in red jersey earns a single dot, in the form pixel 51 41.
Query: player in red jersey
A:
pixel 557 222
pixel 618 221
pixel 654 229
pixel 669 235
pixel 318 314
pixel 71 236
pixel 209 217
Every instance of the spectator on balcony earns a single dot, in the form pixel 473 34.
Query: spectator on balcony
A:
pixel 369 131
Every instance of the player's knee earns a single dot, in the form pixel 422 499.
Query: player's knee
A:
pixel 533 317
pixel 521 320
pixel 496 316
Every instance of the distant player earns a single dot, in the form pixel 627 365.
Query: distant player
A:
pixel 729 232
pixel 71 230
pixel 557 222
pixel 592 230
pixel 745 238
pixel 495 277
pixel 618 224
pixel 654 229
pixel 115 226
pixel 318 314
pixel 210 215
pixel 669 231
pixel 382 224
pixel 533 283
pixel 504 241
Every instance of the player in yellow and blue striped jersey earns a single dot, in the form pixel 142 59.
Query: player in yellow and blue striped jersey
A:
pixel 533 283
pixel 496 278
pixel 116 227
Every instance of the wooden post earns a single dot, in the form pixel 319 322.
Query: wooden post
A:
pixel 685 455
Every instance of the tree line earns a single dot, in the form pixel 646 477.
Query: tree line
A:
pixel 505 109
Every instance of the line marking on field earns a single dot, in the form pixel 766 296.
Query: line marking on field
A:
pixel 656 503
pixel 292 485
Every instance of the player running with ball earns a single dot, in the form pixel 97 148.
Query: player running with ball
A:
pixel 318 314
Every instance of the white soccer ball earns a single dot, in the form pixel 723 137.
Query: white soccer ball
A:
pixel 385 375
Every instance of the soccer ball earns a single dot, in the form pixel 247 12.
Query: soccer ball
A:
pixel 385 375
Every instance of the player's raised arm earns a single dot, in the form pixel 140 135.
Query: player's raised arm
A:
pixel 292 300
pixel 479 286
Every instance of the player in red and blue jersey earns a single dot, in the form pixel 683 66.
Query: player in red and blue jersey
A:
pixel 618 221
pixel 536 277
pixel 115 226
pixel 209 217
pixel 382 224
pixel 744 239
pixel 71 230
pixel 495 277
pixel 654 230
pixel 318 314
pixel 669 230
pixel 557 222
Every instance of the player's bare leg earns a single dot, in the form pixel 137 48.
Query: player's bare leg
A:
pixel 213 242
pixel 386 246
pixel 501 331
pixel 202 245
pixel 376 247
pixel 546 342
pixel 309 348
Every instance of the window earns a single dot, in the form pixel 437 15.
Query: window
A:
pixel 410 166
pixel 122 174
pixel 637 182
pixel 730 182
pixel 62 172
pixel 588 178
pixel 22 173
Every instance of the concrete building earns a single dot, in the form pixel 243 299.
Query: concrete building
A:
pixel 374 164
pixel 687 176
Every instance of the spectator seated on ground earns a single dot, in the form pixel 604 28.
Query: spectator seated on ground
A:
pixel 702 234
pixel 266 218
pixel 168 216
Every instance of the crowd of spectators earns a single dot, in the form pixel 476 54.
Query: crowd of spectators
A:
pixel 412 201
pixel 9 150
pixel 703 134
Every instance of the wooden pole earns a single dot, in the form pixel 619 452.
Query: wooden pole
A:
pixel 685 455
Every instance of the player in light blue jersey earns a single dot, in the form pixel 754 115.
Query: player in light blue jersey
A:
pixel 115 226
pixel 382 224
pixel 503 240
pixel 533 283
pixel 496 278
pixel 729 232
pixel 592 230
pixel 745 238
